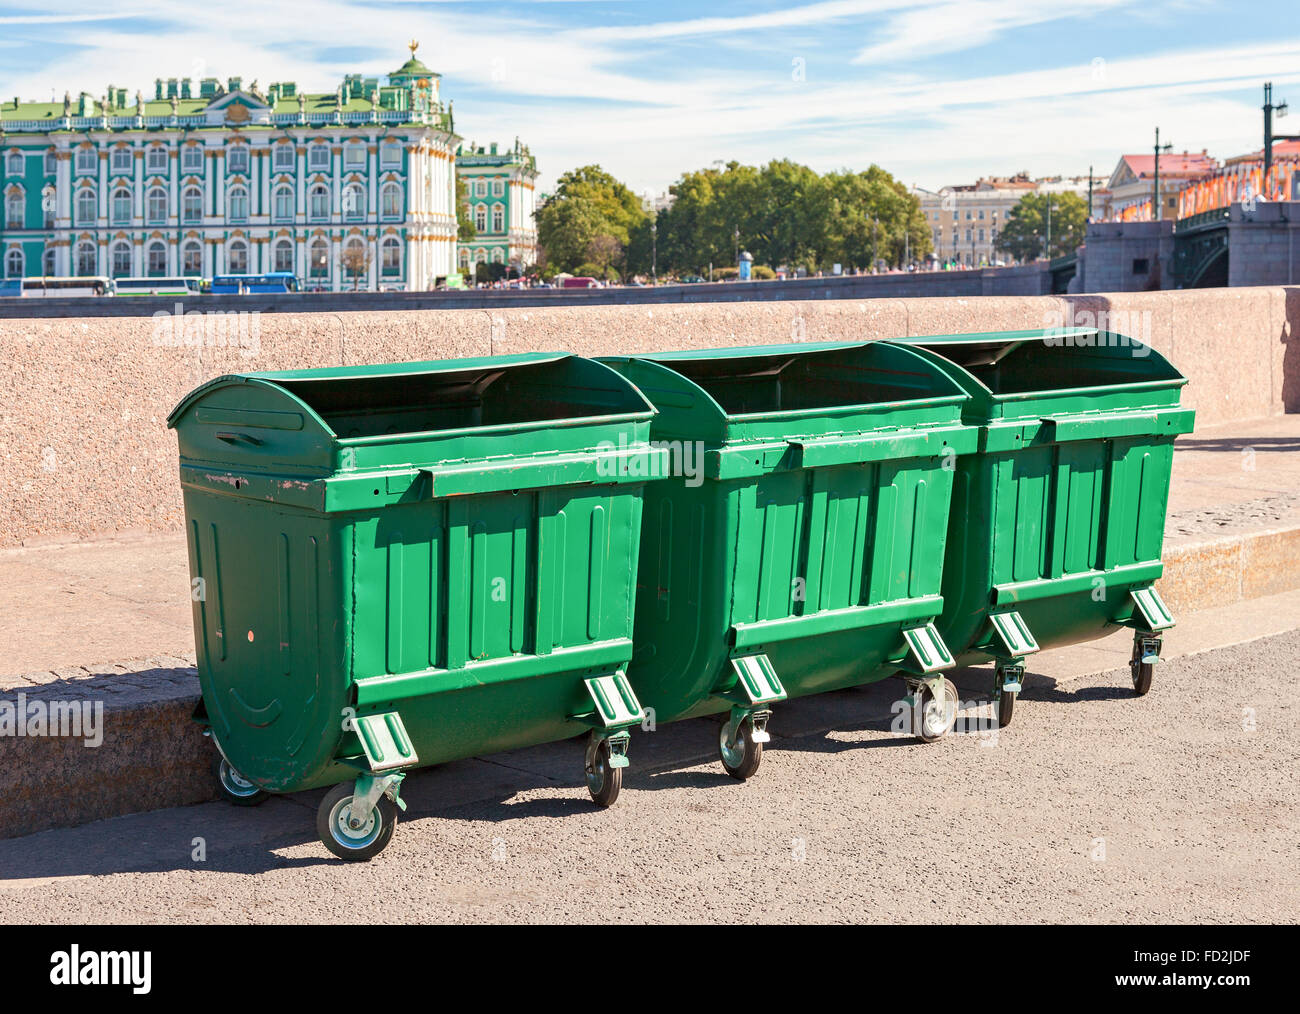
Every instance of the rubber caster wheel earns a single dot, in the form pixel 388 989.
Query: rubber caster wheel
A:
pixel 354 844
pixel 741 758
pixel 604 781
pixel 1141 673
pixel 932 719
pixel 234 787
pixel 1006 707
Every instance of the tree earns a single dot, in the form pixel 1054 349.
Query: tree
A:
pixel 355 260
pixel 1024 236
pixel 465 230
pixel 588 203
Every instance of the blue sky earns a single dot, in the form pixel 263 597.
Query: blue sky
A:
pixel 936 91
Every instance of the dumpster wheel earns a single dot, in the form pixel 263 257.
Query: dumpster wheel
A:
pixel 742 756
pixel 604 780
pixel 933 719
pixel 354 844
pixel 234 787
pixel 1144 647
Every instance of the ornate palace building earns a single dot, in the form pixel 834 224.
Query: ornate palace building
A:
pixel 354 187
pixel 501 189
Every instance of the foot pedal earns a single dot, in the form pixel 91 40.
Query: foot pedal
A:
pixel 1152 609
pixel 1014 634
pixel 756 681
pixel 928 652
pixel 385 742
pixel 616 704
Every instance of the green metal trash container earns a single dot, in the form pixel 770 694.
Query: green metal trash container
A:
pixel 1057 522
pixel 402 565
pixel 797 546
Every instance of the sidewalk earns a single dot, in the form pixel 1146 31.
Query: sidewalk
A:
pixel 111 620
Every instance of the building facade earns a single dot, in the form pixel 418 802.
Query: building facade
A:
pixel 1132 183
pixel 351 188
pixel 501 191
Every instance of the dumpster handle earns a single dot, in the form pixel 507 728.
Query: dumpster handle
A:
pixel 233 438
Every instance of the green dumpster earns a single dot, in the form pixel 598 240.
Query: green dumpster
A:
pixel 401 565
pixel 797 546
pixel 1057 522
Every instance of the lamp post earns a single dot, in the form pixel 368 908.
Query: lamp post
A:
pixel 1269 137
pixel 654 251
pixel 1156 174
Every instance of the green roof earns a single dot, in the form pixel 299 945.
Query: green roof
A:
pixel 413 68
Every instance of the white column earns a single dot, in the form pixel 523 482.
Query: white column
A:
pixel 137 195
pixel 102 191
pixel 219 170
pixel 302 185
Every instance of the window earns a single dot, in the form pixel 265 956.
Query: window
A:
pixel 354 202
pixel 354 156
pixel 157 259
pixel 237 258
pixel 120 259
pixel 156 159
pixel 85 258
pixel 480 217
pixel 464 258
pixel 319 204
pixel 14 218
pixel 390 153
pixel 237 204
pixel 284 156
pixel 192 159
pixel 119 206
pixel 282 203
pixel 390 201
pixel 480 256
pixel 156 206
pixel 318 259
pixel 981 214
pixel 86 206
pixel 119 161
pixel 498 188
pixel 191 204
pixel 51 163
pixel 1141 265
pixel 192 258
pixel 968 236
pixel 480 188
pixel 14 263
pixel 283 255
pixel 390 259
pixel 498 256
pixel 48 261
pixel 981 235
pixel 86 160
pixel 318 156
pixel 498 218
pixel 237 159
pixel 47 206
pixel 14 163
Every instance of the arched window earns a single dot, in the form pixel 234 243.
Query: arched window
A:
pixel 156 206
pixel 192 258
pixel 48 261
pixel 119 206
pixel 480 256
pixel 192 204
pixel 86 206
pixel 318 257
pixel 14 163
pixel 354 202
pixel 480 217
pixel 498 256
pixel 237 159
pixel 282 255
pixel 318 209
pixel 390 256
pixel 282 204
pixel 498 218
pixel 237 257
pixel 156 259
pixel 237 204
pixel 120 259
pixel 156 159
pixel 85 258
pixel 14 263
pixel 464 258
pixel 14 217
pixel 390 203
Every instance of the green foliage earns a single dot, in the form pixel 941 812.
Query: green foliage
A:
pixel 1025 233
pixel 465 231
pixel 589 222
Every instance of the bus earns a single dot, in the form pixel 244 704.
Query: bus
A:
pixel 51 288
pixel 580 282
pixel 272 281
pixel 158 286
